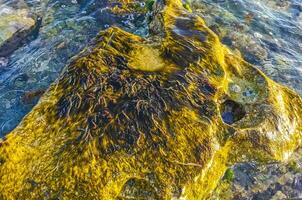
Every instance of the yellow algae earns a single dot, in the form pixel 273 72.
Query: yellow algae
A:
pixel 127 6
pixel 146 59
pixel 110 129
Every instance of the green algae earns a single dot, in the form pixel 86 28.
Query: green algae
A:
pixel 187 7
pixel 149 4
pixel 116 126
pixel 293 166
pixel 229 175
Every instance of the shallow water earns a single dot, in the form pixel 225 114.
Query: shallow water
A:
pixel 267 32
pixel 68 26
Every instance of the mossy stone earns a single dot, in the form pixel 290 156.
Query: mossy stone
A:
pixel 114 126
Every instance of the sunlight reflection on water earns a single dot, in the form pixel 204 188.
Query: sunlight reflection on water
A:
pixel 67 28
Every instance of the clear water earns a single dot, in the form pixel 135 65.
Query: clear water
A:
pixel 68 26
pixel 267 32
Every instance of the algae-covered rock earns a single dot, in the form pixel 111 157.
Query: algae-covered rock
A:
pixel 149 118
pixel 67 27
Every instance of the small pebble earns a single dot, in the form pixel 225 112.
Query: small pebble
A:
pixel 258 35
pixel 3 62
pixel 235 88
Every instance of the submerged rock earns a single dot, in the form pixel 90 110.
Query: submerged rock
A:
pixel 29 97
pixel 270 181
pixel 3 62
pixel 67 27
pixel 13 20
pixel 16 28
pixel 143 118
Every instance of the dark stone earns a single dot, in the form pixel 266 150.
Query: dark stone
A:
pixel 20 38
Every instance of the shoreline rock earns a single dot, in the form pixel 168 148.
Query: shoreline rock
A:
pixel 18 27
pixel 21 34
pixel 264 181
pixel 111 127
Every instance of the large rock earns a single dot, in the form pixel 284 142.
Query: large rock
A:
pixel 15 23
pixel 67 28
pixel 155 118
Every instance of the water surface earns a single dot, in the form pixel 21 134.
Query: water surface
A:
pixel 67 27
pixel 267 32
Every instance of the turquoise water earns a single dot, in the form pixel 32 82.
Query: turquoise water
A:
pixel 267 32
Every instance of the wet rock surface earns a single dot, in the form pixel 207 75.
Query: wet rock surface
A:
pixel 264 41
pixel 66 28
pixel 258 181
pixel 13 20
pixel 17 27
pixel 266 32
pixel 158 117
pixel 19 38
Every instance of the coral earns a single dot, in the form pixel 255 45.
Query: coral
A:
pixel 149 118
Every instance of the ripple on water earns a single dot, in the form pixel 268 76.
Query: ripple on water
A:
pixel 67 27
pixel 267 32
